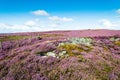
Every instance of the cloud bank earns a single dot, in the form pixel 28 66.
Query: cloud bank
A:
pixel 49 23
pixel 43 21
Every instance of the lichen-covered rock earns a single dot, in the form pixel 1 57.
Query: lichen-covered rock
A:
pixel 51 54
pixel 84 41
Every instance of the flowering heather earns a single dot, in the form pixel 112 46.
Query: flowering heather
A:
pixel 51 56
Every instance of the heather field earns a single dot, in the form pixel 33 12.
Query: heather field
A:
pixel 60 55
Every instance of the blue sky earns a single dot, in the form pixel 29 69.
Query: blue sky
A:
pixel 45 15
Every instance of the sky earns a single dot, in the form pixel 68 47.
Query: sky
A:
pixel 49 15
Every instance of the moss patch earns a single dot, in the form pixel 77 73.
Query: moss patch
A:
pixel 74 49
pixel 117 43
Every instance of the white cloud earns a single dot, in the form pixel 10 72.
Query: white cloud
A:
pixel 118 11
pixel 20 28
pixel 106 23
pixel 2 25
pixel 40 13
pixel 66 19
pixel 28 26
pixel 46 24
pixel 30 23
pixel 14 27
pixel 37 19
pixel 56 18
pixel 55 24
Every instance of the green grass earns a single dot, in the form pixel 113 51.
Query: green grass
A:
pixel 51 35
pixel 10 38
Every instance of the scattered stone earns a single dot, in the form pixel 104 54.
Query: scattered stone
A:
pixel 51 54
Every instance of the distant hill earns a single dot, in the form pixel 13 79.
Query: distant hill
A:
pixel 73 33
